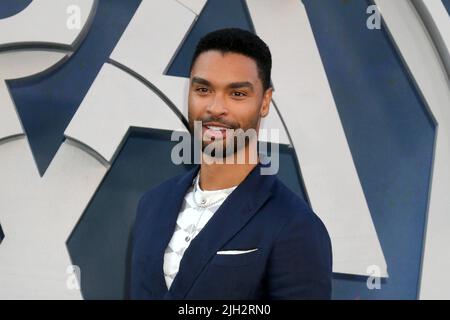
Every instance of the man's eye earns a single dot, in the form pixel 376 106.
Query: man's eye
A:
pixel 202 90
pixel 238 94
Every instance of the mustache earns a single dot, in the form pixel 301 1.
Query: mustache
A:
pixel 225 123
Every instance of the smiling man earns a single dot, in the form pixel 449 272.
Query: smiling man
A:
pixel 224 230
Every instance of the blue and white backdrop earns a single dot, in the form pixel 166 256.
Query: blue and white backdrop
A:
pixel 90 92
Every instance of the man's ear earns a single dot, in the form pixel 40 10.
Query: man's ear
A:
pixel 267 98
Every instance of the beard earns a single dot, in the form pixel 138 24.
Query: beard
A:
pixel 236 139
pixel 224 148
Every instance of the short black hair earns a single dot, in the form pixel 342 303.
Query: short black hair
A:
pixel 238 41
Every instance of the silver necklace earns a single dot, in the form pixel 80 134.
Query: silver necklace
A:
pixel 201 206
pixel 191 233
pixel 203 202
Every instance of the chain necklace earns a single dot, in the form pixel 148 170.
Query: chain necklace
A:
pixel 203 202
pixel 201 206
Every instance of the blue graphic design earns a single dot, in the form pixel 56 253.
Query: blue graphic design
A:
pixel 215 15
pixel 47 103
pixel 390 135
pixel 9 8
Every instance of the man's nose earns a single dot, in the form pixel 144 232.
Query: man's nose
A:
pixel 217 105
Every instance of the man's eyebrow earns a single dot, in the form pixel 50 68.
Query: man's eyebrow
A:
pixel 243 84
pixel 233 85
pixel 199 80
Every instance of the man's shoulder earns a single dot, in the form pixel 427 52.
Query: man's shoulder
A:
pixel 162 186
pixel 293 209
pixel 159 189
pixel 155 195
pixel 285 198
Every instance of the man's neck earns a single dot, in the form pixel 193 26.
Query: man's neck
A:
pixel 217 176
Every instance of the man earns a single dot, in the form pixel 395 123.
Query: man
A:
pixel 224 230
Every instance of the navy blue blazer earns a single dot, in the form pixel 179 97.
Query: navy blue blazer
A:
pixel 293 259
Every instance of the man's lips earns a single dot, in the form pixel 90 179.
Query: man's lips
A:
pixel 216 124
pixel 216 130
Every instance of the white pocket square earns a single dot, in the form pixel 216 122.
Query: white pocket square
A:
pixel 236 251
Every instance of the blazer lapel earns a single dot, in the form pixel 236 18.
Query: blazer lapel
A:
pixel 163 227
pixel 231 216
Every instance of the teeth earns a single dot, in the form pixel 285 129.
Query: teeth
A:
pixel 215 128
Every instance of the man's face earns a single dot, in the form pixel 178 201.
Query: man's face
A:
pixel 226 91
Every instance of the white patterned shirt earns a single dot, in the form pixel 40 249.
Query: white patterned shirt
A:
pixel 190 222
